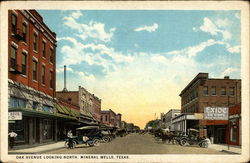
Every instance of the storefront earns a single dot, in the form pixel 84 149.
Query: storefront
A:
pixel 234 128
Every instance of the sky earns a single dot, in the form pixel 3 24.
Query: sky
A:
pixel 138 61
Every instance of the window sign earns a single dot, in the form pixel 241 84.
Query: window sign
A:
pixel 216 113
pixel 15 116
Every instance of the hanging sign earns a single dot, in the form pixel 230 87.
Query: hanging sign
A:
pixel 15 116
pixel 216 113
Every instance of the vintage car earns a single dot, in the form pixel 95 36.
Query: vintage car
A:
pixel 193 138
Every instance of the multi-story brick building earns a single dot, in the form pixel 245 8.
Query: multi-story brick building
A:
pixel 31 60
pixel 90 105
pixel 109 118
pixel 203 92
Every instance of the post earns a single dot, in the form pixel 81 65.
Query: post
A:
pixel 228 122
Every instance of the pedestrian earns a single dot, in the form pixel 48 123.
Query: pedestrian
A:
pixel 70 137
pixel 12 135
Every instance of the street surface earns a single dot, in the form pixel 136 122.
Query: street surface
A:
pixel 136 144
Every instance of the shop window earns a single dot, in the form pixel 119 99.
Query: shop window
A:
pixel 232 91
pixel 223 91
pixel 18 127
pixel 47 108
pixel 205 91
pixel 47 129
pixel 14 23
pixel 24 32
pixel 233 133
pixel 17 102
pixel 34 70
pixel 24 63
pixel 213 91
pixel 13 62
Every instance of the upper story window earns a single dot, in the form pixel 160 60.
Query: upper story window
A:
pixel 51 55
pixel 34 70
pixel 205 91
pixel 24 32
pixel 213 91
pixel 13 62
pixel 44 49
pixel 43 74
pixel 232 91
pixel 35 41
pixel 24 63
pixel 51 79
pixel 223 91
pixel 14 23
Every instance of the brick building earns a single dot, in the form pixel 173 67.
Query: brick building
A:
pixel 203 92
pixel 31 73
pixel 166 119
pixel 110 118
pixel 89 104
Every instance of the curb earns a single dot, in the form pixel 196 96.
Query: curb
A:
pixel 230 152
pixel 40 152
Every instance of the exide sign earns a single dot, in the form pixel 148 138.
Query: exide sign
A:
pixel 216 113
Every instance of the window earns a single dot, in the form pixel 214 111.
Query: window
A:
pixel 34 70
pixel 13 23
pixel 44 49
pixel 232 91
pixel 47 108
pixel 213 91
pixel 24 63
pixel 17 102
pixel 18 127
pixel 50 79
pixel 13 57
pixel 35 105
pixel 35 42
pixel 223 91
pixel 205 91
pixel 106 118
pixel 43 74
pixel 51 55
pixel 24 32
pixel 47 129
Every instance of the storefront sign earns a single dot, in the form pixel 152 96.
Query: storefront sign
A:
pixel 234 116
pixel 15 116
pixel 216 113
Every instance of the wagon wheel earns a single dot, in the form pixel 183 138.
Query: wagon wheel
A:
pixel 183 142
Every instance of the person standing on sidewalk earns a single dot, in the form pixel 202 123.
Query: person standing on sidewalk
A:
pixel 12 135
pixel 70 137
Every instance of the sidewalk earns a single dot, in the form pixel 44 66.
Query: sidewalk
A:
pixel 233 149
pixel 38 149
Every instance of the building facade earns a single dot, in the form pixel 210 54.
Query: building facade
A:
pixel 110 118
pixel 166 119
pixel 31 73
pixel 234 128
pixel 203 92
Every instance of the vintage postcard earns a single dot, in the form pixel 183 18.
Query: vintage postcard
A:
pixel 120 81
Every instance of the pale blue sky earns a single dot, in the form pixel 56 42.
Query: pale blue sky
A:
pixel 132 54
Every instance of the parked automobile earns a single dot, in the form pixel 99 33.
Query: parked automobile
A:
pixel 85 136
pixel 193 138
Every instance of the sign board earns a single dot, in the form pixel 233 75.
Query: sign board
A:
pixel 15 116
pixel 216 113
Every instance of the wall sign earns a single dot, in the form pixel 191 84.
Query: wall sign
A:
pixel 15 116
pixel 216 113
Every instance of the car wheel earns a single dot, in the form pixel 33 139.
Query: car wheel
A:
pixel 66 144
pixel 96 142
pixel 183 142
pixel 204 144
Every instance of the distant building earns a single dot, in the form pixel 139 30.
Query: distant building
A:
pixel 166 119
pixel 109 118
pixel 203 92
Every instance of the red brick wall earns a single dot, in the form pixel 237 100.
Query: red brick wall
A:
pixel 28 46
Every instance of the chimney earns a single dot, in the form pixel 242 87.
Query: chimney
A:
pixel 226 77
pixel 65 89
